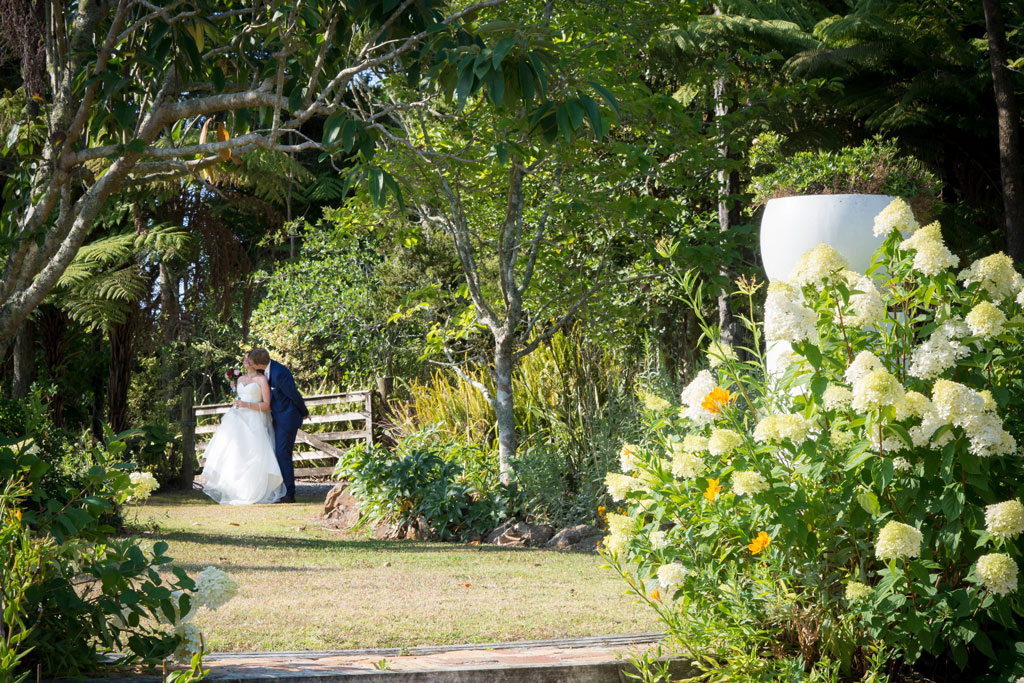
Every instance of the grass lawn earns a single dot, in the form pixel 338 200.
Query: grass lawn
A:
pixel 306 588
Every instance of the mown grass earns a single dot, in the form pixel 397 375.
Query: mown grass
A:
pixel 303 587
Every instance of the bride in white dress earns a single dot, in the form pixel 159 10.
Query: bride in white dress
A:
pixel 240 466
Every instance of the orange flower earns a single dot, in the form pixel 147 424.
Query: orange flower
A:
pixel 714 401
pixel 760 543
pixel 713 490
pixel 655 595
pixel 600 510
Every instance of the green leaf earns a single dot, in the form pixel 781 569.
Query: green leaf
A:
pixel 375 184
pixel 332 126
pixel 526 83
pixel 607 96
pixel 542 78
pixel 869 501
pixel 562 115
pixel 594 114
pixel 500 50
pixel 575 112
pixel 217 76
pixel 465 82
pixel 137 145
pixel 495 82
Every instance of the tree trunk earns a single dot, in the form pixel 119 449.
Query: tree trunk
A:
pixel 728 186
pixel 504 408
pixel 188 438
pixel 98 389
pixel 24 359
pixel 121 353
pixel 52 327
pixel 1009 131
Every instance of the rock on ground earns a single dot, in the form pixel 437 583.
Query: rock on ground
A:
pixel 580 538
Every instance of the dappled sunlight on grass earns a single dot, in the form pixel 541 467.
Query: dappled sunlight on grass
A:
pixel 305 587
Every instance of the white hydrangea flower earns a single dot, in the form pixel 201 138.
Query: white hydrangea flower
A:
pixel 658 539
pixel 780 427
pixel 876 390
pixel 1004 520
pixel 939 352
pixel 864 363
pixel 998 572
pixel 892 444
pixel 687 465
pixel 748 483
pixel 143 485
pixel 931 420
pixel 695 443
pixel 694 394
pixel 985 320
pixel 866 301
pixel 841 438
pixel 619 485
pixel 897 216
pixel 785 317
pixel 723 441
pixel 855 591
pixel 837 397
pixel 627 457
pixel 954 402
pixel 901 464
pixel 915 404
pixel 932 256
pixel 191 641
pixel 898 540
pixel 995 274
pixel 622 529
pixel 817 265
pixel 671 575
pixel 214 588
pixel 654 403
pixel 720 352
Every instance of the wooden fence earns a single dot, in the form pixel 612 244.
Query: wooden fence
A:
pixel 350 409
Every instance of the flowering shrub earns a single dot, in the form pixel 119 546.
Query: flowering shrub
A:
pixel 856 503
pixel 75 596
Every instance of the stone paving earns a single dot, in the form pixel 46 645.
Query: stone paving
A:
pixel 561 653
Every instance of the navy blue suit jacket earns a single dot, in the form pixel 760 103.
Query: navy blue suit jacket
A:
pixel 286 404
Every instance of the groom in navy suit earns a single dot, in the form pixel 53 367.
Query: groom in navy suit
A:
pixel 288 410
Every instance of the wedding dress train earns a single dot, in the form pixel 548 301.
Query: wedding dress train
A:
pixel 240 466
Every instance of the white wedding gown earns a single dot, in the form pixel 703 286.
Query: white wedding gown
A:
pixel 240 467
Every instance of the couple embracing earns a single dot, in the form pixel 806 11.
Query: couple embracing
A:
pixel 249 458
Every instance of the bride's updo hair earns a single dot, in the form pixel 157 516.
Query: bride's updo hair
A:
pixel 259 356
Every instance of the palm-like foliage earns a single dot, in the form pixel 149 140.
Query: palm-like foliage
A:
pixel 105 280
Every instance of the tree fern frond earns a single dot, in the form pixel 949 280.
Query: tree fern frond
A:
pixel 326 188
pixel 106 249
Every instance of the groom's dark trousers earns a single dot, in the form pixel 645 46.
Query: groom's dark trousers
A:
pixel 288 410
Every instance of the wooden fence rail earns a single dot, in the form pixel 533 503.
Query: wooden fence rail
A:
pixel 357 412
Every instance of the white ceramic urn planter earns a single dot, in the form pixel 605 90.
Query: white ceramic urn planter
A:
pixel 793 225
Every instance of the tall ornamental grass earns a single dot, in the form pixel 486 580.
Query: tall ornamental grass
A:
pixel 854 511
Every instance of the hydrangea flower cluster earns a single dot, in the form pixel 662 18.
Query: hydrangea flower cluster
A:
pixel 817 265
pixel 214 588
pixel 785 317
pixel 897 540
pixel 748 483
pixel 1004 520
pixel 143 485
pixel 723 441
pixel 671 575
pixel 897 216
pixel 998 573
pixel 875 450
pixel 781 427
pixel 693 396
pixel 931 255
pixel 995 274
pixel 940 351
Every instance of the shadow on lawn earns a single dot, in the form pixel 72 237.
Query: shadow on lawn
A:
pixel 363 545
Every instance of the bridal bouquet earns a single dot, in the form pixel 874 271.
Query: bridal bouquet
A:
pixel 232 376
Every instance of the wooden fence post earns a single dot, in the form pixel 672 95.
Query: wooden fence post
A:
pixel 369 418
pixel 188 438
